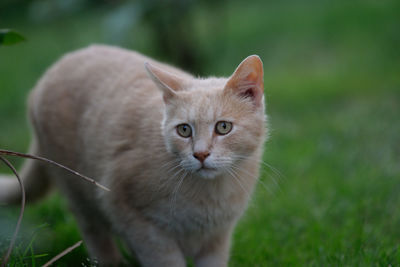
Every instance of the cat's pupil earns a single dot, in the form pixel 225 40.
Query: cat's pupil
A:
pixel 184 130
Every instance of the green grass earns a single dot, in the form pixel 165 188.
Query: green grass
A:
pixel 333 99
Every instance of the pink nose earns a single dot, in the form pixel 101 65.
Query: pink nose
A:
pixel 201 156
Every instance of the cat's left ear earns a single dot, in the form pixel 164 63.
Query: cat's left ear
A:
pixel 248 80
pixel 168 83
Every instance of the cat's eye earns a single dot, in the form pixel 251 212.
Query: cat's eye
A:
pixel 223 127
pixel 184 130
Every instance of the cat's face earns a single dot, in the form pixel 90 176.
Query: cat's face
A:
pixel 210 125
pixel 209 131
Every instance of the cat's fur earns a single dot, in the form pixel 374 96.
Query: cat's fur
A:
pixel 99 111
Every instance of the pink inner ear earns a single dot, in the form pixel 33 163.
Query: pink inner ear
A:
pixel 248 93
pixel 247 80
pixel 255 94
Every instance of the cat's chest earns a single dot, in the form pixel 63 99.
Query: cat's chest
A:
pixel 183 215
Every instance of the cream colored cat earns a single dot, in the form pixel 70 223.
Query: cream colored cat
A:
pixel 180 154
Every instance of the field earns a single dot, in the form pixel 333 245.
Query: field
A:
pixel 332 84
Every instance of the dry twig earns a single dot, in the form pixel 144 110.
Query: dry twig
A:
pixel 21 213
pixel 17 154
pixel 90 180
pixel 62 254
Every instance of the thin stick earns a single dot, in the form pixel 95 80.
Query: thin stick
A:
pixel 90 180
pixel 62 254
pixel 21 213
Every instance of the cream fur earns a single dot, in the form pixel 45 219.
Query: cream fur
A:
pixel 98 112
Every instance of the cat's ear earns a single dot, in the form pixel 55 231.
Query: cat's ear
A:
pixel 168 83
pixel 248 80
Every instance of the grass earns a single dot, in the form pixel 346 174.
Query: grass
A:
pixel 333 97
pixel 336 204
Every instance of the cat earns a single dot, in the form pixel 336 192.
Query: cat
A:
pixel 180 154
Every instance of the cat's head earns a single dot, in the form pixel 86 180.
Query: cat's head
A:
pixel 212 124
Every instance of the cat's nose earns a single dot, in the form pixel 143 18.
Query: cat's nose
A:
pixel 201 156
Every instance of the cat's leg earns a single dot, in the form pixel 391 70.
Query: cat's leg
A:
pixel 151 245
pixel 95 231
pixel 215 251
pixel 98 241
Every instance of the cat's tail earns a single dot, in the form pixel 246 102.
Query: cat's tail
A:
pixel 34 178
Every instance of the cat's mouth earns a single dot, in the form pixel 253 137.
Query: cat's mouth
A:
pixel 203 170
pixel 203 167
pixel 207 172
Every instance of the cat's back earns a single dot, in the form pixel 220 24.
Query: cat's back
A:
pixel 97 69
pixel 92 89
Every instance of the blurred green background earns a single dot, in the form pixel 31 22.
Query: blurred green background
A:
pixel 332 85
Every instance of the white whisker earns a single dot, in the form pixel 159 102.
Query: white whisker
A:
pixel 173 168
pixel 233 174
pixel 274 174
pixel 273 169
pixel 174 195
pixel 168 163
pixel 258 179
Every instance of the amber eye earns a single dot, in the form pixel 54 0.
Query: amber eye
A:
pixel 223 127
pixel 184 130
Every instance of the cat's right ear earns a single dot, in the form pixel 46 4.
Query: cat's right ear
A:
pixel 168 83
pixel 247 81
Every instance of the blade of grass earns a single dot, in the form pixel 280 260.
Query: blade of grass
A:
pixel 33 237
pixel 29 246
pixel 33 259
